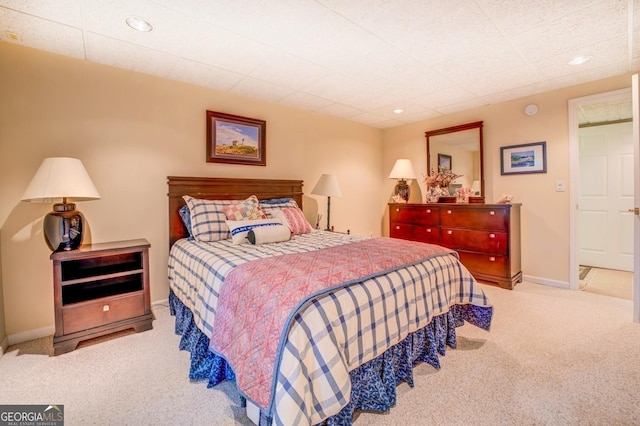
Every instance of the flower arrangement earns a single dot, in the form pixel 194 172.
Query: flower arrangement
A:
pixel 438 184
pixel 442 179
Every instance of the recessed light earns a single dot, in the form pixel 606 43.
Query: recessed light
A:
pixel 579 60
pixel 398 111
pixel 139 24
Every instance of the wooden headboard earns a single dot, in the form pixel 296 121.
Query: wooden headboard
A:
pixel 223 189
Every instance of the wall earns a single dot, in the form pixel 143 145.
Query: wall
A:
pixel 545 212
pixel 132 131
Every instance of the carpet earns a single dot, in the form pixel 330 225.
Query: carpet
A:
pixel 553 357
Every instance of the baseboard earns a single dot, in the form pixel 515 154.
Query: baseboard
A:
pixel 25 336
pixel 163 303
pixel 545 281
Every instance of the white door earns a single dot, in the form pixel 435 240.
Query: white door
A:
pixel 635 95
pixel 606 196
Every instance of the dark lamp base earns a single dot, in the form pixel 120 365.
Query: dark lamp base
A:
pixel 402 189
pixel 63 228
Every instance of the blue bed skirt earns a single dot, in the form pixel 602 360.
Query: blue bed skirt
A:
pixel 373 383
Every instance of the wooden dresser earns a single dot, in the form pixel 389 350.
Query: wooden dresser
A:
pixel 486 236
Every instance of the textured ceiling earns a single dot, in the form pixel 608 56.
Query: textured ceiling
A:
pixel 355 59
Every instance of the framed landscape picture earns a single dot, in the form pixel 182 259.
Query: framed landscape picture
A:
pixel 525 158
pixel 236 140
pixel 444 163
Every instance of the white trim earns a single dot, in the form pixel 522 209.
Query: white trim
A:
pixel 25 336
pixel 164 303
pixel 544 281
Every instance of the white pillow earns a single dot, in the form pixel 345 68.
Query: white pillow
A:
pixel 240 228
pixel 269 234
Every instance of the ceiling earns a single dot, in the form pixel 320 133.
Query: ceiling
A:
pixel 354 59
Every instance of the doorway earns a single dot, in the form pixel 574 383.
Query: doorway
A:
pixel 601 164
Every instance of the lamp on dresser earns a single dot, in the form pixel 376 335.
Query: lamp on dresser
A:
pixel 61 179
pixel 402 170
pixel 328 186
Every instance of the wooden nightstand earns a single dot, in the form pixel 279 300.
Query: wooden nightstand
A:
pixel 99 289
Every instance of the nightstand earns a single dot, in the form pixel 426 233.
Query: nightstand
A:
pixel 99 289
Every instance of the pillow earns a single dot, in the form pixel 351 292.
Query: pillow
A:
pixel 240 228
pixel 207 218
pixel 186 218
pixel 269 234
pixel 248 209
pixel 294 218
pixel 269 207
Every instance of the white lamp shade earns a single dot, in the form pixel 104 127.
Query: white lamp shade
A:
pixel 327 185
pixel 61 177
pixel 403 169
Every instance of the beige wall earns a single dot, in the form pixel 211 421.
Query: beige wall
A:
pixel 545 212
pixel 131 131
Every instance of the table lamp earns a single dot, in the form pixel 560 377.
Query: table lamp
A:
pixel 327 185
pixel 62 179
pixel 402 170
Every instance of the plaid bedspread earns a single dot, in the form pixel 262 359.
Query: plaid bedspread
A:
pixel 335 333
pixel 259 297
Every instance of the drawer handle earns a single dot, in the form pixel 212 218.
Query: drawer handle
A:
pixel 105 308
pixel 428 210
pixel 492 213
pixel 449 232
pixel 397 209
pixel 492 259
pixel 492 235
pixel 449 212
pixel 397 226
pixel 428 229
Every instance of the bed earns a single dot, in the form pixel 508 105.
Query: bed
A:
pixel 315 328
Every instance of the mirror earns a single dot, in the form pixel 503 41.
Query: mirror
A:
pixel 459 149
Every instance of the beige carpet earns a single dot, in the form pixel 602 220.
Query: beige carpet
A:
pixel 552 357
pixel 609 282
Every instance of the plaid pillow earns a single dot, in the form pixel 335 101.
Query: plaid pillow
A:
pixel 248 209
pixel 207 218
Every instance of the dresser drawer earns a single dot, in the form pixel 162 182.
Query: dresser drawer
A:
pixel 484 263
pixel 419 215
pixel 86 315
pixel 422 233
pixel 493 219
pixel 466 239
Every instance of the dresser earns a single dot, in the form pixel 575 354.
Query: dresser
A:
pixel 486 236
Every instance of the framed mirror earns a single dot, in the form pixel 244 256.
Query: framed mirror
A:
pixel 458 149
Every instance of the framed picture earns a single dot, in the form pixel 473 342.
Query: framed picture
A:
pixel 236 140
pixel 444 163
pixel 525 158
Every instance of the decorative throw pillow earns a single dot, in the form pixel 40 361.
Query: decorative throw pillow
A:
pixel 208 222
pixel 269 207
pixel 294 218
pixel 269 234
pixel 240 228
pixel 248 209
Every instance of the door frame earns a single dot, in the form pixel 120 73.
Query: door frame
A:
pixel 574 178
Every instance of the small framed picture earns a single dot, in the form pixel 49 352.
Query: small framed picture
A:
pixel 522 159
pixel 236 140
pixel 444 163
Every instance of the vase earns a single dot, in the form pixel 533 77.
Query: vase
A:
pixel 435 192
